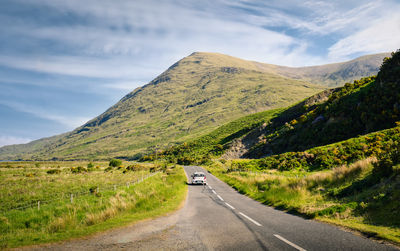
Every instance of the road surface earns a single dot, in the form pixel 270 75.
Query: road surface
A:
pixel 216 217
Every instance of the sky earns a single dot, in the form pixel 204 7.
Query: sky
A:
pixel 63 63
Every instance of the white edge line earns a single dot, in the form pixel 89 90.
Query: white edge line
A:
pixel 219 197
pixel 230 206
pixel 250 219
pixel 210 187
pixel 214 192
pixel 288 242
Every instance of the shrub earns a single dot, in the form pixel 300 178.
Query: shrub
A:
pixel 115 162
pixel 78 169
pixel 53 171
pixel 135 167
pixel 90 165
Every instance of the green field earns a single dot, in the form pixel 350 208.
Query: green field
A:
pixel 102 198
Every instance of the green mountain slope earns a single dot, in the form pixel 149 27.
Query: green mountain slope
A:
pixel 368 105
pixel 193 97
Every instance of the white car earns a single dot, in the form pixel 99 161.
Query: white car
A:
pixel 199 178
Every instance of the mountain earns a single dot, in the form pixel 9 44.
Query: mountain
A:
pixel 191 98
pixel 334 75
pixel 366 106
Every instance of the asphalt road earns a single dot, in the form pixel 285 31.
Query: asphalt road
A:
pixel 216 217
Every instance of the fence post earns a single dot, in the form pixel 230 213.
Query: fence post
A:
pixel 72 198
pixel 127 184
pixel 38 205
pixel 97 190
pixel 115 187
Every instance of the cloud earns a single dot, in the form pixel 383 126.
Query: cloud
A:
pixel 124 86
pixel 77 66
pixel 70 122
pixel 138 35
pixel 381 36
pixel 11 140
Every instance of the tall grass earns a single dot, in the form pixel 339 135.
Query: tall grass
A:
pixel 94 212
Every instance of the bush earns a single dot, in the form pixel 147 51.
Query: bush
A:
pixel 78 169
pixel 53 171
pixel 90 165
pixel 115 162
pixel 135 167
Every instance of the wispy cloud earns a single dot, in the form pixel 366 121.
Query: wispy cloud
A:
pixel 380 36
pixel 77 66
pixel 125 86
pixel 10 140
pixel 70 122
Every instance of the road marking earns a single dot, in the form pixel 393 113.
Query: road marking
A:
pixel 214 192
pixel 229 206
pixel 250 219
pixel 219 197
pixel 288 242
pixel 210 187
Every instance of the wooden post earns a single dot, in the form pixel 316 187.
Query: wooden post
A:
pixel 115 187
pixel 97 190
pixel 72 198
pixel 127 184
pixel 38 205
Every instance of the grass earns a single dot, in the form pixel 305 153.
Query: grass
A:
pixel 89 213
pixel 347 195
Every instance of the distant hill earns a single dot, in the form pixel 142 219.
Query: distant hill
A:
pixel 191 98
pixel 333 75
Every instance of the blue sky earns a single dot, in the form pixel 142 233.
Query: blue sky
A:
pixel 65 62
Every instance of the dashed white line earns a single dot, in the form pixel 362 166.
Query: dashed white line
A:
pixel 250 219
pixel 214 192
pixel 210 187
pixel 229 206
pixel 219 197
pixel 288 242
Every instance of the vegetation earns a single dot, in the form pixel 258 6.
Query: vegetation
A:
pixel 367 105
pixel 100 200
pixel 115 163
pixel 341 153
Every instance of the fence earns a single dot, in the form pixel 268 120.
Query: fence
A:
pixel 73 195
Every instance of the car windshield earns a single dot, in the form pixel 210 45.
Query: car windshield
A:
pixel 198 175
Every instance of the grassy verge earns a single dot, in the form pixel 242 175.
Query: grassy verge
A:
pixel 349 196
pixel 92 212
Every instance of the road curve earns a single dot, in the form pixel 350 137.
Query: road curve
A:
pixel 216 217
